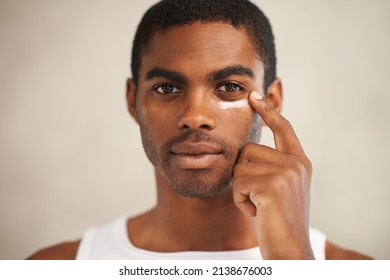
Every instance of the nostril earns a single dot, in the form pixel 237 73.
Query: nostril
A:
pixel 205 126
pixel 207 123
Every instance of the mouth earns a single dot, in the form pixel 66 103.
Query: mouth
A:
pixel 198 155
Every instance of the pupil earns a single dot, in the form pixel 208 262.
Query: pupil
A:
pixel 167 88
pixel 230 87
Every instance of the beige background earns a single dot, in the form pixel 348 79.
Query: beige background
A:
pixel 71 157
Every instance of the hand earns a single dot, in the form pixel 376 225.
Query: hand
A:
pixel 273 186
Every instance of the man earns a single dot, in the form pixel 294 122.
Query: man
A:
pixel 204 82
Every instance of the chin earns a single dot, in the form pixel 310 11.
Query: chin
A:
pixel 198 188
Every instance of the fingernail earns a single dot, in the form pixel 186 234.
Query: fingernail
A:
pixel 256 95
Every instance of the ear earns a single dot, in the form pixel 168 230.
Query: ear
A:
pixel 131 96
pixel 275 94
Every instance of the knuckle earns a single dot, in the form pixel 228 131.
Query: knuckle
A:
pixel 298 166
pixel 291 173
pixel 286 126
pixel 256 199
pixel 248 147
pixel 298 169
pixel 268 107
pixel 301 166
pixel 278 185
pixel 309 165
pixel 247 150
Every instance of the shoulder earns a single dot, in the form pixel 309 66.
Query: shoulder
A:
pixel 334 252
pixel 63 251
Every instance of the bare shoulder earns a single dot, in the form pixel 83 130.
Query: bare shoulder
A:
pixel 334 252
pixel 63 251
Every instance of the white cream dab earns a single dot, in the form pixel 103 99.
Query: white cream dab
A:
pixel 223 105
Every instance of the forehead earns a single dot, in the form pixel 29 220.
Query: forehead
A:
pixel 198 48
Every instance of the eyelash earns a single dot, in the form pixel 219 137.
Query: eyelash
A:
pixel 156 89
pixel 239 88
pixel 176 90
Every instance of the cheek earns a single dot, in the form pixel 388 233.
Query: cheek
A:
pixel 154 118
pixel 237 123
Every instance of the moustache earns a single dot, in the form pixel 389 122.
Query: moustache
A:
pixel 195 136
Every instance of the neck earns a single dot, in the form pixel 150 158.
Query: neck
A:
pixel 192 224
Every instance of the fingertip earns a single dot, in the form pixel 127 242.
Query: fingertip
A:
pixel 254 95
pixel 257 101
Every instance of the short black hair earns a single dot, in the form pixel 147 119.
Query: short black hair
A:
pixel 241 14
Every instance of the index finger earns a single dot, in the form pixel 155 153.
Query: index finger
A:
pixel 286 140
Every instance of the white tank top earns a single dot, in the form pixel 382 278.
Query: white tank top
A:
pixel 111 242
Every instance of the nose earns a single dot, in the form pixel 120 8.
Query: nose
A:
pixel 197 113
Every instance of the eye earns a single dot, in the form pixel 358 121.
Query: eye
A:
pixel 166 89
pixel 230 87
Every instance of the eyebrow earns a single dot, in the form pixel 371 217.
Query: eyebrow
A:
pixel 231 70
pixel 213 76
pixel 167 74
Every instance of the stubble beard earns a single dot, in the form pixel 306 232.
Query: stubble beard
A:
pixel 194 185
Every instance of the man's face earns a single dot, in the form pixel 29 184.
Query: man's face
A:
pixel 186 74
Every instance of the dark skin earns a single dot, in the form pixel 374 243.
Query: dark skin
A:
pixel 264 201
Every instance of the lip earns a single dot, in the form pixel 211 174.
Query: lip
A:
pixel 195 148
pixel 199 155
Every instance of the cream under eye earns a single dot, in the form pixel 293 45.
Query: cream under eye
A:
pixel 232 96
pixel 223 105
